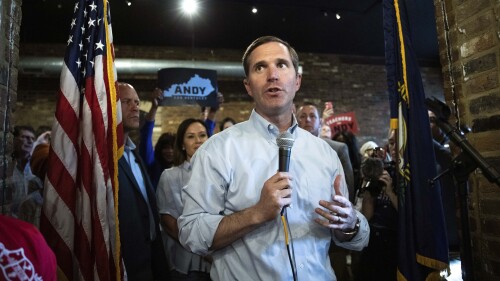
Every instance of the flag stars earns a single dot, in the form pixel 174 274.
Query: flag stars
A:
pixel 70 39
pixel 76 7
pixel 91 22
pixel 78 62
pixel 92 63
pixel 73 23
pixel 99 21
pixel 84 13
pixel 88 38
pixel 81 45
pixel 92 6
pixel 83 29
pixel 99 45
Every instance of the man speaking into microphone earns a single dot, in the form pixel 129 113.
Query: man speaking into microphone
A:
pixel 233 201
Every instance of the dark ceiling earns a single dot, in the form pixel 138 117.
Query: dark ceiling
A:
pixel 309 25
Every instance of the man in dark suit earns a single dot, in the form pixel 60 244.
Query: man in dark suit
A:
pixel 141 242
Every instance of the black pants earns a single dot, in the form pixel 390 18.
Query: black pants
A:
pixel 380 259
pixel 191 276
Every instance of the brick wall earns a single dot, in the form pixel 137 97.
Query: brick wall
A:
pixel 352 83
pixel 469 45
pixel 10 18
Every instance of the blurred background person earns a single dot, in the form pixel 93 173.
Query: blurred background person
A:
pixel 183 264
pixel 380 207
pixel 366 150
pixel 30 208
pixel 226 123
pixel 17 186
pixel 163 156
pixel 326 132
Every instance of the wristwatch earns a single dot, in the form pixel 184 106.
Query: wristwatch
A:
pixel 355 230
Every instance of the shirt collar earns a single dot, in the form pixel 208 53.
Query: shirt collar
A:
pixel 129 145
pixel 267 129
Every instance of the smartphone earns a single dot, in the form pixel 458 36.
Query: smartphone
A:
pixel 328 105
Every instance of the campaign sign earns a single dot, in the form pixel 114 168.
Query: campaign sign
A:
pixel 186 86
pixel 343 122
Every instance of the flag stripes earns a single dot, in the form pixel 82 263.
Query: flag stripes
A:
pixel 79 217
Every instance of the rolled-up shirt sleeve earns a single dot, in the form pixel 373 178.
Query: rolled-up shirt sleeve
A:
pixel 203 202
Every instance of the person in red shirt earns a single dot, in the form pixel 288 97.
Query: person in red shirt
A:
pixel 24 254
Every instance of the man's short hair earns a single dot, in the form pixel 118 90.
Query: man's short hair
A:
pixel 308 103
pixel 267 39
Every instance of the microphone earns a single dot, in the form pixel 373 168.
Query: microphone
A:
pixel 285 142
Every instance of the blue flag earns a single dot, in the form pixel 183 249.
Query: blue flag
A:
pixel 423 245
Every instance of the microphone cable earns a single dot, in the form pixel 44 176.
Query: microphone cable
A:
pixel 289 243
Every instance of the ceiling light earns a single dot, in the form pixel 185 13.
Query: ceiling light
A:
pixel 128 3
pixel 337 15
pixel 189 7
pixel 254 10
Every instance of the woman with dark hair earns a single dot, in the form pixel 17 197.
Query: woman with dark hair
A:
pixel 184 265
pixel 163 156
pixel 226 123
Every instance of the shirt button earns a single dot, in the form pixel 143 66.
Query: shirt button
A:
pixel 301 266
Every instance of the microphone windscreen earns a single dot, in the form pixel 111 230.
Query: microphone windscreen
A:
pixel 285 140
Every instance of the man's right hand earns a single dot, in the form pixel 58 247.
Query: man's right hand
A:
pixel 275 194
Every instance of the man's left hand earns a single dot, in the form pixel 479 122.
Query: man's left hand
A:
pixel 338 213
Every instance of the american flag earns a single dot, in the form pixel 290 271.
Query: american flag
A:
pixel 80 211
